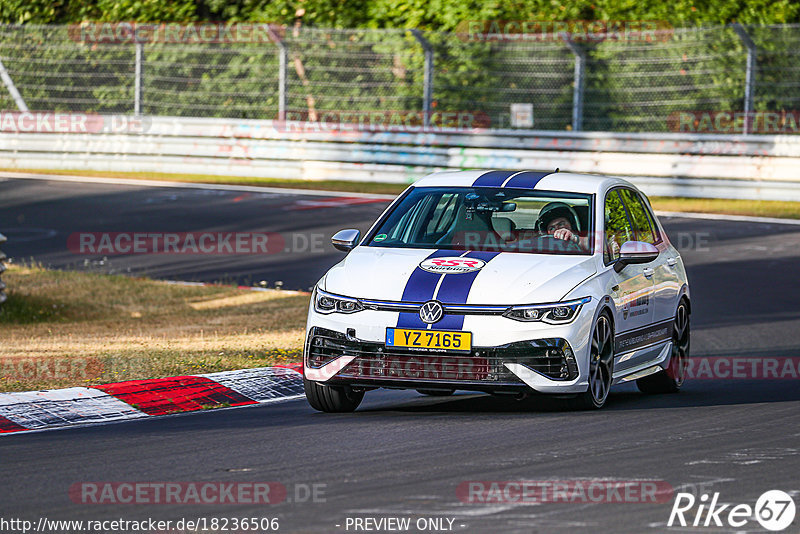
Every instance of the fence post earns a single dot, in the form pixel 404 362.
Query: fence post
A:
pixel 427 83
pixel 283 78
pixel 750 76
pixel 12 89
pixel 137 85
pixel 579 81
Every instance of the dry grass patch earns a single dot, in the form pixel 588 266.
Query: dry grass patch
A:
pixel 69 328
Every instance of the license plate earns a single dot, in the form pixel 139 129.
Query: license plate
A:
pixel 429 339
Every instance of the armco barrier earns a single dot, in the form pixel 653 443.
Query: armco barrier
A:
pixel 699 165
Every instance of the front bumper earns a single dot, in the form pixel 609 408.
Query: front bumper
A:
pixel 546 365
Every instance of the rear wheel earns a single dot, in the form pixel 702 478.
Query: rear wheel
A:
pixel 671 379
pixel 601 366
pixel 332 399
pixel 436 392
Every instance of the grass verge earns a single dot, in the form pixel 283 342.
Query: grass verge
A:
pixel 753 208
pixel 757 208
pixel 64 329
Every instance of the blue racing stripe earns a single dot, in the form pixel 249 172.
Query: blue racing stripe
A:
pixel 492 178
pixel 419 288
pixel 526 180
pixel 455 289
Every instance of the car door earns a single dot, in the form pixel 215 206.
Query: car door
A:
pixel 631 289
pixel 665 277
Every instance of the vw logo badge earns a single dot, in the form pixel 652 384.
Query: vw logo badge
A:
pixel 431 312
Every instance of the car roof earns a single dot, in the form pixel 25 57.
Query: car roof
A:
pixel 537 180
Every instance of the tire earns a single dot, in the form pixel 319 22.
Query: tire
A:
pixel 436 392
pixel 332 399
pixel 671 379
pixel 601 366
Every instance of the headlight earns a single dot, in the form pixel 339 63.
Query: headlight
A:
pixel 325 302
pixel 557 313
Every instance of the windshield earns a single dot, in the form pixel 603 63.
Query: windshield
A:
pixel 490 219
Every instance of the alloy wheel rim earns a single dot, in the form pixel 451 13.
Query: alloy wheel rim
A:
pixel 599 364
pixel 680 346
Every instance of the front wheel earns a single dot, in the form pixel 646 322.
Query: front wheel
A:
pixel 671 379
pixel 332 399
pixel 601 366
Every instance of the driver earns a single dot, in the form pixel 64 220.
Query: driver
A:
pixel 560 221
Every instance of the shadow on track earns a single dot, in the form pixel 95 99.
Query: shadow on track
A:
pixel 698 393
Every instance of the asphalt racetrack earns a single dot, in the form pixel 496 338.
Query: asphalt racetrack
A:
pixel 403 455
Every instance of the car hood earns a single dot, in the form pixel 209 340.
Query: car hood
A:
pixel 507 278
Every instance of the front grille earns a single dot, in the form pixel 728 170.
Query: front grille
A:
pixel 551 357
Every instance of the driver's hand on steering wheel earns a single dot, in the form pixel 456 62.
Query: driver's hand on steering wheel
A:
pixel 565 234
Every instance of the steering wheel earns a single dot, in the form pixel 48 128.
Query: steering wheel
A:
pixel 566 245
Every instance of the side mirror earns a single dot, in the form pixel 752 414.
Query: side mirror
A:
pixel 635 252
pixel 346 240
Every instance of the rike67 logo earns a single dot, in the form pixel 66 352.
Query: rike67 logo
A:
pixel 774 510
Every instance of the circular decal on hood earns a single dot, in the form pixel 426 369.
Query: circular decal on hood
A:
pixel 452 265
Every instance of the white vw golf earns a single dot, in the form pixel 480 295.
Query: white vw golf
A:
pixel 510 283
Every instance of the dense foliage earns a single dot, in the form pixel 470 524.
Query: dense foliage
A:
pixel 428 14
pixel 629 86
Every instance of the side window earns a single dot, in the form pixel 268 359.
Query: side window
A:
pixel 618 229
pixel 638 213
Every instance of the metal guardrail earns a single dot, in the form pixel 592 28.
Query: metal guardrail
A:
pixel 674 143
pixel 734 166
pixel 631 77
pixel 3 295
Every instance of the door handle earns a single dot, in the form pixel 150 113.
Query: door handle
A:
pixel 672 262
pixel 648 272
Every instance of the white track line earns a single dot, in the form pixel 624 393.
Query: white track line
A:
pixel 191 185
pixel 316 192
pixel 230 286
